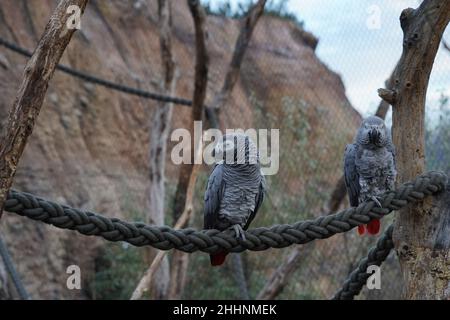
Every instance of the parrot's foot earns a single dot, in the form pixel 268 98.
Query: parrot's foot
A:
pixel 240 234
pixel 375 199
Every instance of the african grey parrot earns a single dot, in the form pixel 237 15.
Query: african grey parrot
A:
pixel 235 188
pixel 369 166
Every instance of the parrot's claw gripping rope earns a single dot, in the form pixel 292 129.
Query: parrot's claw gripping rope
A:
pixel 375 199
pixel 239 231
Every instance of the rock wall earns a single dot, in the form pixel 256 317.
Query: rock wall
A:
pixel 89 147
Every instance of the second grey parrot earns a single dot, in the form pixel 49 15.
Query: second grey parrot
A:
pixel 235 188
pixel 369 166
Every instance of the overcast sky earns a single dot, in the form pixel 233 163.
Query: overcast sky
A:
pixel 362 41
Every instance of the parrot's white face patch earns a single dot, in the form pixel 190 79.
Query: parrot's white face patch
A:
pixel 228 146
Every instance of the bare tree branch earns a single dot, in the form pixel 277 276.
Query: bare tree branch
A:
pixel 189 172
pixel 248 24
pixel 146 280
pixel 180 259
pixel 159 132
pixel 281 276
pixel 27 105
pixel 422 245
pixel 200 82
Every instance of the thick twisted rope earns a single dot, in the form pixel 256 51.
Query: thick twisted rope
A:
pixel 101 82
pixel 358 277
pixel 212 241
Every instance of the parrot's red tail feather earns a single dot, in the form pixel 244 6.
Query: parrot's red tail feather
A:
pixel 361 230
pixel 373 227
pixel 218 258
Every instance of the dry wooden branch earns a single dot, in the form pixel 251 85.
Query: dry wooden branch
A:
pixel 146 280
pixel 159 132
pixel 27 105
pixel 248 24
pixel 200 85
pixel 180 259
pixel 424 257
pixel 189 172
pixel 281 276
pixel 387 95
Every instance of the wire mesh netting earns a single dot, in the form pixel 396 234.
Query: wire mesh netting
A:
pixel 310 71
pixel 315 125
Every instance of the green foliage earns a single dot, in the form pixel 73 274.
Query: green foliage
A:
pixel 118 270
pixel 119 266
pixel 206 282
pixel 275 8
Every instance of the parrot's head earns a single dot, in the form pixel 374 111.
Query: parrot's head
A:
pixel 373 132
pixel 236 148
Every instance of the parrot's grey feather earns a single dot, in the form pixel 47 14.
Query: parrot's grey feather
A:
pixel 391 148
pixel 259 200
pixel 369 163
pixel 239 198
pixel 235 189
pixel 351 175
pixel 213 197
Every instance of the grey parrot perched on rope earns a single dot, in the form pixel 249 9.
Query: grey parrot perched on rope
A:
pixel 235 189
pixel 369 166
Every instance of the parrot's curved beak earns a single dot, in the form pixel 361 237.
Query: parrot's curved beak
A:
pixel 374 136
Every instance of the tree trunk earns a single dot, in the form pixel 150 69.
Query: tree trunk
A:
pixel 419 237
pixel 38 72
pixel 188 172
pixel 426 261
pixel 159 132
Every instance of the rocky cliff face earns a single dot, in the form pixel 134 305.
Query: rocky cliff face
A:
pixel 89 147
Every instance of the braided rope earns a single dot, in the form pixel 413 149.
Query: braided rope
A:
pixel 101 82
pixel 211 241
pixel 358 277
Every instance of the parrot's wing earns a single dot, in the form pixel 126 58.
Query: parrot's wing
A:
pixel 213 197
pixel 351 175
pixel 391 149
pixel 259 200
